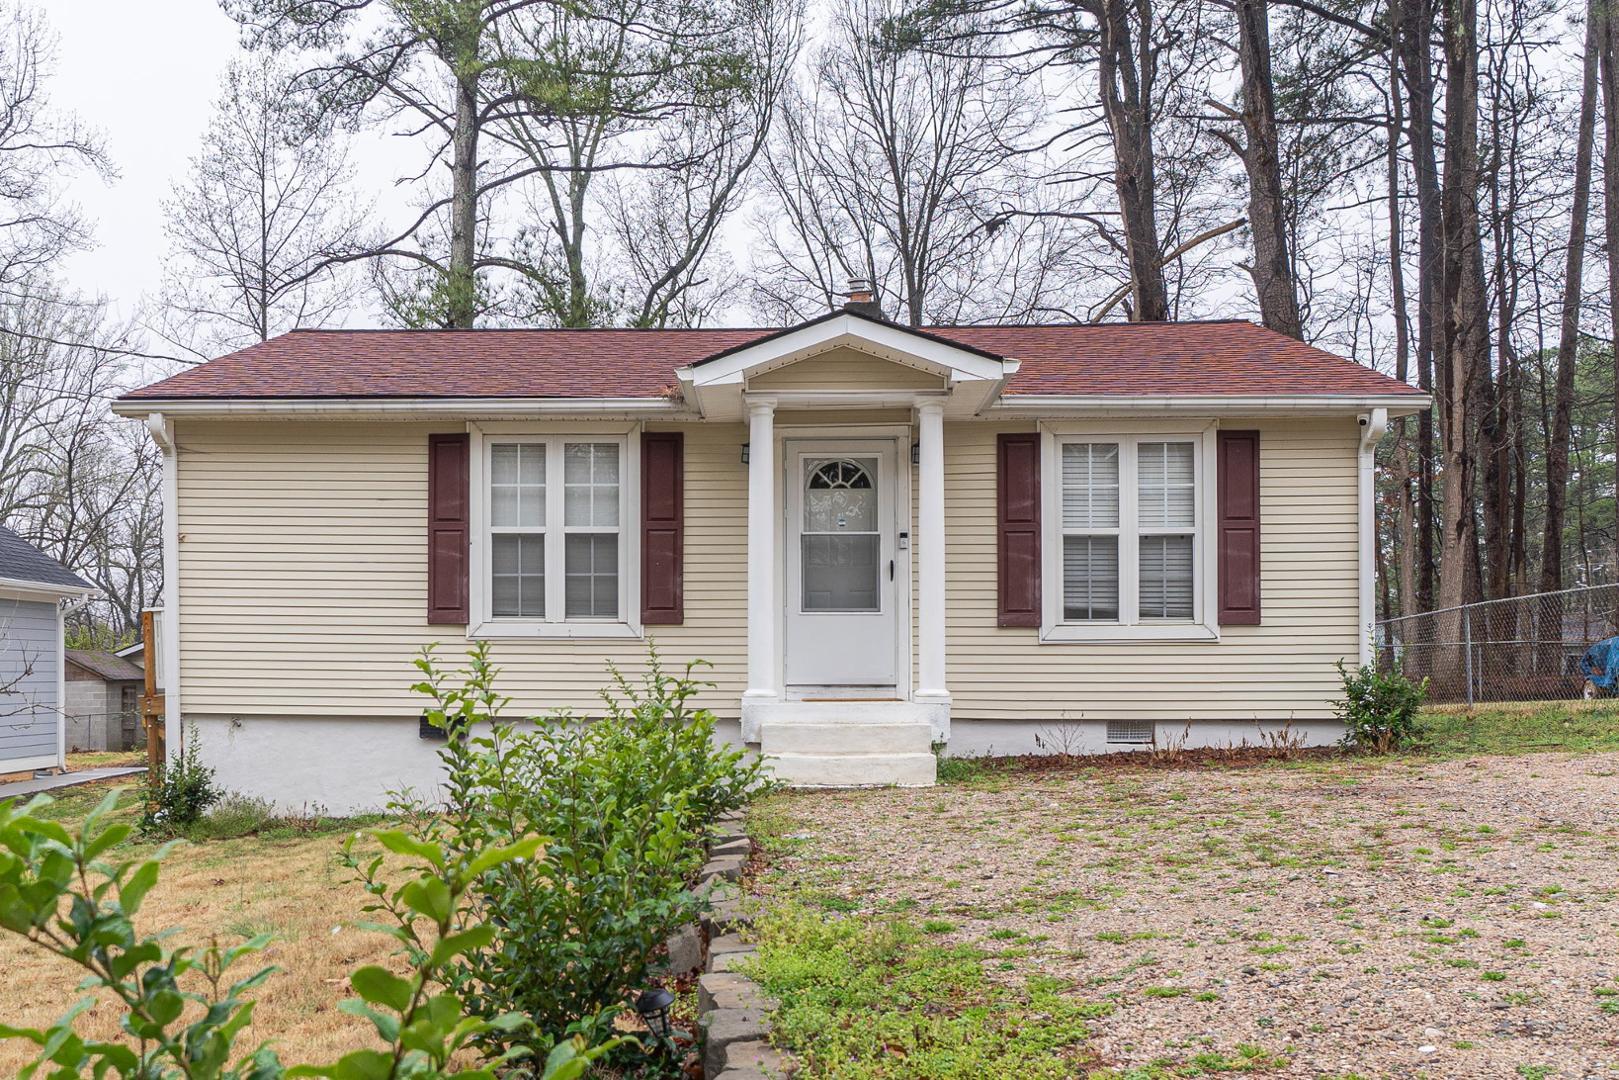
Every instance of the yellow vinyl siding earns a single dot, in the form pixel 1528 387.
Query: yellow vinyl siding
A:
pixel 1279 670
pixel 303 573
pixel 303 570
pixel 845 369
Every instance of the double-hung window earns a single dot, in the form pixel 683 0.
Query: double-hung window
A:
pixel 1125 537
pixel 555 518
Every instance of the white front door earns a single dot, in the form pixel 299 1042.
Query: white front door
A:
pixel 842 564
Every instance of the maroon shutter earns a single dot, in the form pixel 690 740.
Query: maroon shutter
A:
pixel 448 502
pixel 1017 526
pixel 1239 528
pixel 663 528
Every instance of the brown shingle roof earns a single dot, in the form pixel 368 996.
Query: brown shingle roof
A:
pixel 1127 359
pixel 106 665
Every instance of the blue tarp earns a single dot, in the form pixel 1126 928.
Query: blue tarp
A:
pixel 1600 664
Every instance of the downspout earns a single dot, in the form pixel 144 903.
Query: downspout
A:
pixel 63 610
pixel 1373 425
pixel 163 434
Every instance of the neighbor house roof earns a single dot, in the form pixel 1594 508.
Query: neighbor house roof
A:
pixel 106 665
pixel 1231 357
pixel 22 561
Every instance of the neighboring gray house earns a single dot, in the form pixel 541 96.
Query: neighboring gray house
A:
pixel 103 700
pixel 35 593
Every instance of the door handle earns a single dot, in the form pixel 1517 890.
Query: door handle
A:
pixel 890 569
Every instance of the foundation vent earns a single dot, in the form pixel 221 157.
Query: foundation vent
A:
pixel 1129 733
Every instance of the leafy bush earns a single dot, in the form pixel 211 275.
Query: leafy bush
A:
pixel 180 789
pixel 183 1010
pixel 623 801
pixel 1379 708
pixel 232 816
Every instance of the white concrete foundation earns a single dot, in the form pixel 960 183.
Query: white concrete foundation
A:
pixel 1015 738
pixel 341 766
pixel 350 765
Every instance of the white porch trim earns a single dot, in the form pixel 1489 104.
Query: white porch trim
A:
pixel 763 605
pixel 930 530
pixel 1372 426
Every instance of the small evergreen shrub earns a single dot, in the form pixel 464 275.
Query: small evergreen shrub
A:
pixel 180 790
pixel 624 802
pixel 1379 708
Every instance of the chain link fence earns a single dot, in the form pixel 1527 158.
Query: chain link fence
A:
pixel 1521 648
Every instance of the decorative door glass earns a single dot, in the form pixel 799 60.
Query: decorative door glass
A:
pixel 841 539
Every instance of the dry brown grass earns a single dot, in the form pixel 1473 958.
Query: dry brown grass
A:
pixel 231 890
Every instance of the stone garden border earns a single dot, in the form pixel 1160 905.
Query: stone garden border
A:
pixel 733 1011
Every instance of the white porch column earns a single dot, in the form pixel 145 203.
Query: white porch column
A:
pixel 763 610
pixel 931 539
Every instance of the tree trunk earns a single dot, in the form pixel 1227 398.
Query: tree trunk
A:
pixel 1405 538
pixel 1568 338
pixel 1416 24
pixel 461 293
pixel 1273 266
pixel 1466 330
pixel 1126 85
pixel 1609 75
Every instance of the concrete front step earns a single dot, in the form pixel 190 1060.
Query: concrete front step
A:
pixel 831 737
pixel 854 770
pixel 842 712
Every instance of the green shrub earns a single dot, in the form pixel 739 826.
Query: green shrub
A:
pixel 624 802
pixel 232 816
pixel 180 790
pixel 183 1010
pixel 1379 708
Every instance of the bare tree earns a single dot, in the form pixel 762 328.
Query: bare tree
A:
pixel 251 228
pixel 668 105
pixel 431 68
pixel 908 167
pixel 40 148
pixel 1569 326
pixel 75 481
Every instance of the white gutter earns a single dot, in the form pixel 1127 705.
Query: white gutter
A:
pixel 640 408
pixel 44 590
pixel 1209 404
pixel 162 431
pixel 1373 425
pixel 997 387
pixel 415 408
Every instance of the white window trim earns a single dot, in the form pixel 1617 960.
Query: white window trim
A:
pixel 483 623
pixel 1203 626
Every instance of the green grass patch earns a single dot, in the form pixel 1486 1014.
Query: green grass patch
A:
pixel 1572 726
pixel 877 999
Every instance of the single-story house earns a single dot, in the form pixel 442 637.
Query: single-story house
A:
pixel 36 592
pixel 998 538
pixel 103 700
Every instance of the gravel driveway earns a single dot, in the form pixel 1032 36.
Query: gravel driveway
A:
pixel 1402 918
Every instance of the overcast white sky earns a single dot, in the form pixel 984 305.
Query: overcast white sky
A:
pixel 143 73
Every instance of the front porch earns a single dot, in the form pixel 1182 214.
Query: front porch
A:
pixel 846 626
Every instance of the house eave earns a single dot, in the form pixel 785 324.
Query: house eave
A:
pixel 1206 404
pixel 23 589
pixel 414 408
